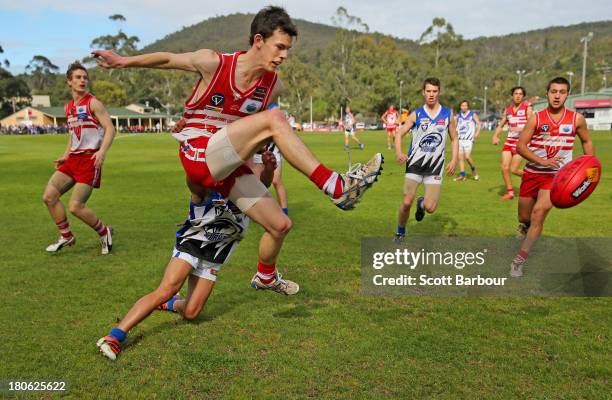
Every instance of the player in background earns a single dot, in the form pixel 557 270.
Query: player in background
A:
pixel 515 116
pixel 91 134
pixel 546 143
pixel 205 242
pixel 349 129
pixel 391 119
pixel 404 116
pixel 468 130
pixel 430 125
pixel 227 123
pixel 277 181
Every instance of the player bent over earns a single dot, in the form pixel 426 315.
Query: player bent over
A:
pixel 227 123
pixel 91 134
pixel 203 244
pixel 515 116
pixel 468 129
pixel 547 143
pixel 425 162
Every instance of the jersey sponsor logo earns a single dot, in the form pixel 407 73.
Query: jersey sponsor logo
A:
pixel 430 142
pixel 520 112
pixel 441 122
pixel 217 99
pixel 566 128
pixel 81 112
pixel 251 106
pixel 437 177
pixel 215 109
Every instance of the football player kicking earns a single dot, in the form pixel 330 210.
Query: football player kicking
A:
pixel 546 143
pixel 203 244
pixel 425 161
pixel 227 123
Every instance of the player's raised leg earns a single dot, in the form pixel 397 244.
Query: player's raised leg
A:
pixel 59 184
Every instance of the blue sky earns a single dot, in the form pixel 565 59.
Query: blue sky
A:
pixel 62 31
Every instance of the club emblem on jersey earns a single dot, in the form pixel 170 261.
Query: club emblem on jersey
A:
pixel 430 142
pixel 520 112
pixel 81 112
pixel 251 106
pixel 425 123
pixel 565 128
pixel 217 99
pixel 545 127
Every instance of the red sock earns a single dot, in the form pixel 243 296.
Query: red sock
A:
pixel 100 228
pixel 266 272
pixel 64 229
pixel 328 181
pixel 510 190
pixel 521 257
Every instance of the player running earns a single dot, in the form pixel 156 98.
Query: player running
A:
pixel 425 158
pixel 546 143
pixel 226 125
pixel 390 118
pixel 349 129
pixel 91 135
pixel 468 130
pixel 515 116
pixel 204 243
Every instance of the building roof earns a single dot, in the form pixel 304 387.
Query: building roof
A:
pixel 114 112
pixel 603 94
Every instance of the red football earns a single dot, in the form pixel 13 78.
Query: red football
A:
pixel 575 181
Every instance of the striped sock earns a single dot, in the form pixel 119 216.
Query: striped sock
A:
pixel 521 257
pixel 266 272
pixel 99 227
pixel 510 191
pixel 330 182
pixel 64 229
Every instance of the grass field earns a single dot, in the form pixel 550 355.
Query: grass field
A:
pixel 326 342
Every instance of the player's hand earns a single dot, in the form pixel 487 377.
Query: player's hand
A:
pixel 268 160
pixel 61 160
pixel 495 140
pixel 180 125
pixel 401 158
pixel 107 59
pixel 554 162
pixel 450 168
pixel 98 158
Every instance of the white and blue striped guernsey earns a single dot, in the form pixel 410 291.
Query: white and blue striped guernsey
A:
pixel 466 126
pixel 426 154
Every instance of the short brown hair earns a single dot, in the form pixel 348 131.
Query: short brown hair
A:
pixel 270 19
pixel 73 67
pixel 432 81
pixel 558 80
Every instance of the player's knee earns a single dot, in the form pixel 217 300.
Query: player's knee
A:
pixel 505 167
pixel 49 198
pixel 75 207
pixel 277 119
pixel 538 214
pixel 407 203
pixel 281 228
pixel 430 206
pixel 191 311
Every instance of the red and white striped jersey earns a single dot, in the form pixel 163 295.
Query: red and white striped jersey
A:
pixel 391 118
pixel 86 133
pixel 517 119
pixel 552 139
pixel 222 102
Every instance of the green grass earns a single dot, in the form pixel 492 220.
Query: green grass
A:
pixel 326 342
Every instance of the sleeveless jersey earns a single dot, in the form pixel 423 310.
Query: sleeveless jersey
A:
pixel 86 133
pixel 391 118
pixel 348 121
pixel 516 119
pixel 552 139
pixel 426 154
pixel 212 230
pixel 466 127
pixel 222 102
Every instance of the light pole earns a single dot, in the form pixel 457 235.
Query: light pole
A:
pixel 570 74
pixel 520 72
pixel 484 107
pixel 586 39
pixel 400 99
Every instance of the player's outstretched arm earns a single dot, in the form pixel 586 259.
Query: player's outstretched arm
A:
pixel 99 111
pixel 478 125
pixel 198 61
pixel 583 133
pixel 498 130
pixel 450 169
pixel 400 156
